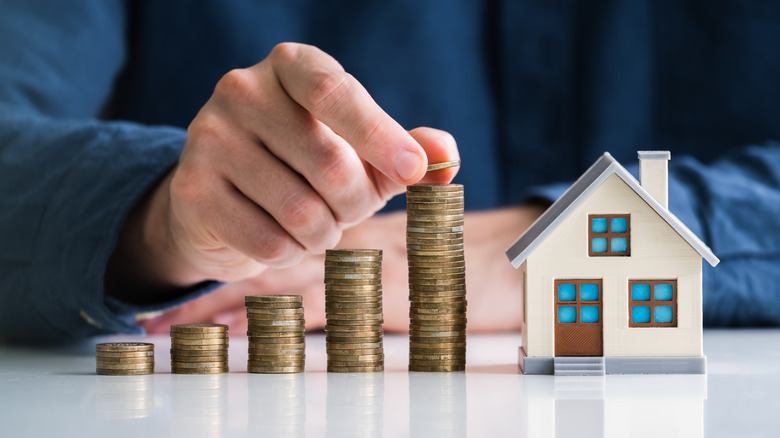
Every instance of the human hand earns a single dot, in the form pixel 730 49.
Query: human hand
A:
pixel 283 157
pixel 494 287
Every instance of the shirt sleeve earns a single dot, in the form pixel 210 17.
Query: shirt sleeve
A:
pixel 67 179
pixel 733 205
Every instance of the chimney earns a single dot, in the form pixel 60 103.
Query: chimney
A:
pixel 653 174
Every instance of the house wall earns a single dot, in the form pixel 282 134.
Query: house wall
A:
pixel 657 252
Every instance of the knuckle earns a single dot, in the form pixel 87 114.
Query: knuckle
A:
pixel 337 171
pixel 326 89
pixel 236 85
pixel 285 52
pixel 302 212
pixel 188 184
pixel 274 245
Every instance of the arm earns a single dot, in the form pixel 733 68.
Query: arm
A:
pixel 67 180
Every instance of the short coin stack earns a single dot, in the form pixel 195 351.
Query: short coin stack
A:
pixel 437 277
pixel 124 358
pixel 199 349
pixel 353 310
pixel 276 334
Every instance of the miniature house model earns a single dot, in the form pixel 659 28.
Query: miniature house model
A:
pixel 612 281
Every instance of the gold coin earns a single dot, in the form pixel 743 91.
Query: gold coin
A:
pixel 215 347
pixel 436 328
pixel 128 354
pixel 276 342
pixel 355 269
pixel 355 357
pixel 276 357
pixel 124 347
pixel 199 328
pixel 358 351
pixel 434 187
pixel 354 281
pixel 175 342
pixel 277 351
pixel 103 372
pixel 336 304
pixel 356 369
pixel 354 345
pixel 259 323
pixel 273 299
pixel 125 366
pixel 200 370
pixel 341 336
pixel 110 360
pixel 275 370
pixel 252 311
pixel 330 264
pixel 436 343
pixel 197 352
pixel 437 368
pixel 353 255
pixel 288 364
pixel 443 165
pixel 214 364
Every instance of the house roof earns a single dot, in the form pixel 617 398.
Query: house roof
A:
pixel 579 192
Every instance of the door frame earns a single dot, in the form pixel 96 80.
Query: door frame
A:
pixel 578 338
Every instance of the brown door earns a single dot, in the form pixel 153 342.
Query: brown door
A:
pixel 578 322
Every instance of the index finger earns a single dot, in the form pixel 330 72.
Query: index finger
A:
pixel 320 85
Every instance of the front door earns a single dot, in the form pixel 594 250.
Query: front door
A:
pixel 578 326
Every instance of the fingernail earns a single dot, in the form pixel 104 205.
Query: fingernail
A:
pixel 408 165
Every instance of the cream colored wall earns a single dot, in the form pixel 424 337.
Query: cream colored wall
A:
pixel 657 252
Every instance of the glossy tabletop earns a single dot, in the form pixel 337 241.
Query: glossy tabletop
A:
pixel 54 392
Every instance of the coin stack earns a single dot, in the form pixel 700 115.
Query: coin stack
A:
pixel 353 310
pixel 437 277
pixel 199 349
pixel 276 334
pixel 124 358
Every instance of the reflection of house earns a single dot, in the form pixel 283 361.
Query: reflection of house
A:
pixel 614 406
pixel 612 279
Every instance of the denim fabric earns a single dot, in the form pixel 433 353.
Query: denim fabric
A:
pixel 95 96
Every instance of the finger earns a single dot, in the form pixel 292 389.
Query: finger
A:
pixel 320 85
pixel 223 216
pixel 326 161
pixel 283 194
pixel 439 147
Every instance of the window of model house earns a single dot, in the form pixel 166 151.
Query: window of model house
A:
pixel 609 235
pixel 652 303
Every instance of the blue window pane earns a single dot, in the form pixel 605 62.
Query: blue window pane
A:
pixel 619 244
pixel 619 225
pixel 567 292
pixel 567 314
pixel 640 314
pixel 599 244
pixel 640 292
pixel 598 225
pixel 589 314
pixel 663 292
pixel 589 292
pixel 663 314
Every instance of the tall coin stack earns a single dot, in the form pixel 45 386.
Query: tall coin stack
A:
pixel 437 277
pixel 353 310
pixel 199 349
pixel 124 358
pixel 276 334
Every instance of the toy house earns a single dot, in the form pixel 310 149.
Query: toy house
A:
pixel 612 280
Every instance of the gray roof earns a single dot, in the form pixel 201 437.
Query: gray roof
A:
pixel 579 192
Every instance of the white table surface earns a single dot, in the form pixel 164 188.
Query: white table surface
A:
pixel 54 392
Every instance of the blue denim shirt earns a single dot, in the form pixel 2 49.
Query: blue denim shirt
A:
pixel 95 96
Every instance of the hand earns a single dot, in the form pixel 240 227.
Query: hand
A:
pixel 283 157
pixel 494 287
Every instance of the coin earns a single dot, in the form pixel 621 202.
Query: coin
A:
pixel 356 369
pixel 117 347
pixel 444 165
pixel 199 328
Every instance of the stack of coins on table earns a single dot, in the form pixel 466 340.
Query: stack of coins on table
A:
pixel 437 277
pixel 276 334
pixel 124 358
pixel 353 310
pixel 199 349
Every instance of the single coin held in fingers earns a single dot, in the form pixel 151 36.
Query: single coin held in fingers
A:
pixel 444 165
